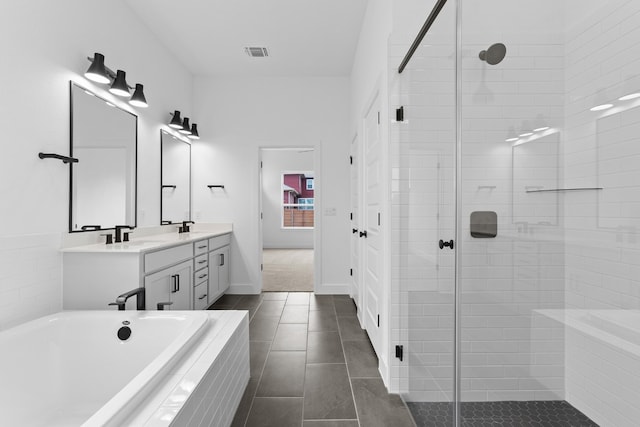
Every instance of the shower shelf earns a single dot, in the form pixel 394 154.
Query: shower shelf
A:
pixel 556 190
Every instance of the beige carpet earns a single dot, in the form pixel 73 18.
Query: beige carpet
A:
pixel 287 270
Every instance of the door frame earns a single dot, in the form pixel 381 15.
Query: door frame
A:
pixel 317 218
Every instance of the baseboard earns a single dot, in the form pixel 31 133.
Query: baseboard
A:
pixel 383 369
pixel 332 289
pixel 242 289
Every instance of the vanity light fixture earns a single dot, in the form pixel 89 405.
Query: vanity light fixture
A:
pixel 176 122
pixel 119 86
pixel 186 127
pixel 138 99
pixel 97 72
pixel 194 132
pixel 100 73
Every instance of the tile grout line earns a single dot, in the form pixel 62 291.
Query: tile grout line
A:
pixel 344 354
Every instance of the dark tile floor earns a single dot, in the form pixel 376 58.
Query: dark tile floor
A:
pixel 311 365
pixel 507 414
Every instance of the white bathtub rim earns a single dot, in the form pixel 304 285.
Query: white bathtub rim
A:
pixel 125 401
pixel 160 408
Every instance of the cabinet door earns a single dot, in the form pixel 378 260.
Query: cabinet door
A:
pixel 172 284
pixel 214 266
pixel 223 270
pixel 181 297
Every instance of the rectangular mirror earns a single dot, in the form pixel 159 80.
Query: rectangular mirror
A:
pixel 104 139
pixel 175 196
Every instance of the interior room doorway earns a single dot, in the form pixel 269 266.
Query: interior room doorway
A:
pixel 288 201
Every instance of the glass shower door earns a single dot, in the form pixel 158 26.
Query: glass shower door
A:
pixel 423 199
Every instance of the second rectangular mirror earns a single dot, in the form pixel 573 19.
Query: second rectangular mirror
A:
pixel 175 197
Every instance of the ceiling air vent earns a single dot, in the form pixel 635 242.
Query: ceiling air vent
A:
pixel 256 52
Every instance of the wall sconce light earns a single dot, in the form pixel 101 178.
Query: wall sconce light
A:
pixel 119 86
pixel 183 126
pixel 540 124
pixel 511 135
pixel 194 132
pixel 186 127
pixel 176 122
pixel 601 101
pixel 138 99
pixel 100 73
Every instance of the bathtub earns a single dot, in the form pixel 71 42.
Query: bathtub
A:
pixel 602 363
pixel 83 368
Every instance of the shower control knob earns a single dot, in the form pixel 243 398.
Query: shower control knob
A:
pixel 444 244
pixel 363 234
pixel 354 230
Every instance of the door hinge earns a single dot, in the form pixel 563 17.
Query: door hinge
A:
pixel 351 272
pixel 261 217
pixel 261 267
pixel 378 117
pixel 378 320
pixel 351 216
pixel 378 218
pixel 261 164
pixel 399 352
pixel 400 114
pixel 350 160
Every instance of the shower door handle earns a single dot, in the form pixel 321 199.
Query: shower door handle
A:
pixel 444 244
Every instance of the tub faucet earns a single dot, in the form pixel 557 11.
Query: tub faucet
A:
pixel 119 229
pixel 122 299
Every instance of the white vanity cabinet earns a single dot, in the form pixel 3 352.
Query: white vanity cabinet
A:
pixel 218 267
pixel 191 273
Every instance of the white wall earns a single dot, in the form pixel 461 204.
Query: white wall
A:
pixel 46 46
pixel 238 116
pixel 274 164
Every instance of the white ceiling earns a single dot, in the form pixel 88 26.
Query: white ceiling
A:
pixel 304 37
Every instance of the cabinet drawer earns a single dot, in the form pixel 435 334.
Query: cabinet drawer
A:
pixel 201 261
pixel 200 297
pixel 201 276
pixel 219 241
pixel 167 257
pixel 200 247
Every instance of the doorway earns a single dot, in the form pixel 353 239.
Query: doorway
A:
pixel 288 199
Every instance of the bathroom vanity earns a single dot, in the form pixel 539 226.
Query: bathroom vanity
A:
pixel 183 271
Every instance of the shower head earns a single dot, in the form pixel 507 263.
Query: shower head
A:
pixel 495 54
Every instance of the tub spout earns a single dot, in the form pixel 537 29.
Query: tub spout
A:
pixel 140 299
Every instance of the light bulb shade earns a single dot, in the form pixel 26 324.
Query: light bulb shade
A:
pixel 138 99
pixel 194 132
pixel 119 86
pixel 176 122
pixel 96 71
pixel 186 127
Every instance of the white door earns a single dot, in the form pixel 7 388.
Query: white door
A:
pixel 356 242
pixel 370 229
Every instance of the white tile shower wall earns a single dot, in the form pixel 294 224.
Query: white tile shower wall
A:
pixel 603 252
pixel 30 277
pixel 508 352
pixel 602 226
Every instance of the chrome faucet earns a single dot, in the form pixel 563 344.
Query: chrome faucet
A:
pixel 119 229
pixel 121 301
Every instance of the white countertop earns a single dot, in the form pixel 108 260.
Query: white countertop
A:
pixel 153 242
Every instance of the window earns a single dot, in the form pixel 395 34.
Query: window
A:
pixel 297 200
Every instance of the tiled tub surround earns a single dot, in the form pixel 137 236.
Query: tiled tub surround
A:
pixel 70 369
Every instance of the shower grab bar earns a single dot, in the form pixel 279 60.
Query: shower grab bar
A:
pixel 557 190
pixel 423 32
